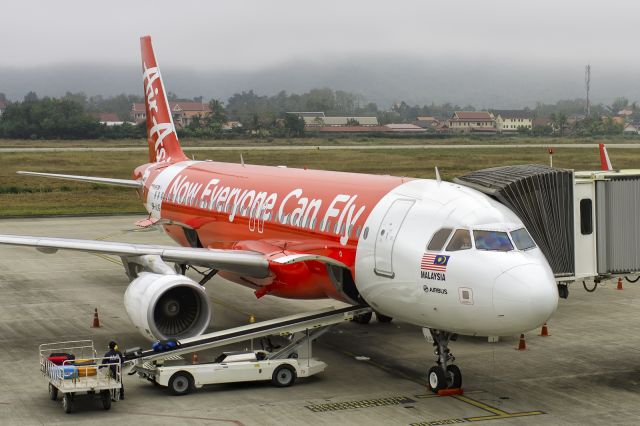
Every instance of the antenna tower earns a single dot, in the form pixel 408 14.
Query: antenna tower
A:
pixel 587 85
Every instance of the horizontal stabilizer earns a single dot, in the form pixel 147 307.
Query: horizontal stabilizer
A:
pixel 88 179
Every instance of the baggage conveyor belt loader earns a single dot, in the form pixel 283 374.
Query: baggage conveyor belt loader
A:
pixel 281 366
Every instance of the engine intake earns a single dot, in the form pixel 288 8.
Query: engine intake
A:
pixel 167 306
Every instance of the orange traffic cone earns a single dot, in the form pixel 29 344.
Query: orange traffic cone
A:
pixel 545 331
pixel 522 345
pixel 619 284
pixel 96 320
pixel 194 359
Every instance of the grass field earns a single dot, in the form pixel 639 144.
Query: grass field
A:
pixel 334 141
pixel 27 196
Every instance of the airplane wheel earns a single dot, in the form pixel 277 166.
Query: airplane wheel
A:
pixel 436 379
pixel 53 392
pixel 363 318
pixel 383 318
pixel 284 376
pixel 180 383
pixel 67 402
pixel 454 377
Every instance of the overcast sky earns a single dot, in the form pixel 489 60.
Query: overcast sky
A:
pixel 254 34
pixel 500 53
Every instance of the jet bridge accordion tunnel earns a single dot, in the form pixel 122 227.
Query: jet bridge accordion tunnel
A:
pixel 587 224
pixel 542 197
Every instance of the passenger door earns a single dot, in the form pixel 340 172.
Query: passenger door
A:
pixel 387 234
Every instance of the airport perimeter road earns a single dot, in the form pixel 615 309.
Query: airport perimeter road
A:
pixel 323 147
pixel 586 372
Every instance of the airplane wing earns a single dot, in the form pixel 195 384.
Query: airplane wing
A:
pixel 88 179
pixel 247 263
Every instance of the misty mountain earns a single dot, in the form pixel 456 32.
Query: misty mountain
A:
pixel 381 80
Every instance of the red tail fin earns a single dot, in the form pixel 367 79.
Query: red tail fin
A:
pixel 161 133
pixel 605 163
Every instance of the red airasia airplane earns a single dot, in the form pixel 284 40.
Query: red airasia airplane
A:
pixel 431 253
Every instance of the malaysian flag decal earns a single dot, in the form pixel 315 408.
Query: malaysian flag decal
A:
pixel 434 262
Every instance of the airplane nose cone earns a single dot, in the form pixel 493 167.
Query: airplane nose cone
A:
pixel 525 296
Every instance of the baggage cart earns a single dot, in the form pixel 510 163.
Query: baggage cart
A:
pixel 74 368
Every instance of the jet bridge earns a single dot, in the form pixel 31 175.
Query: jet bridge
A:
pixel 587 224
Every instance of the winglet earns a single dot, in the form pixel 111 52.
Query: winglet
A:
pixel 438 175
pixel 161 133
pixel 605 162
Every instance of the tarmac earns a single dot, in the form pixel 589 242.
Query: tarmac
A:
pixel 586 372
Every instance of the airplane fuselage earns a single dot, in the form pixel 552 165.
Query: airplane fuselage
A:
pixel 376 227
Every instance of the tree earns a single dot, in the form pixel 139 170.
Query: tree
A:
pixel 320 100
pixel 31 97
pixel 218 115
pixel 559 122
pixel 387 117
pixel 619 104
pixel 345 102
pixel 120 104
pixel 541 130
pixel 80 98
pixel 294 125
pixel 48 118
pixel 251 110
pixel 562 122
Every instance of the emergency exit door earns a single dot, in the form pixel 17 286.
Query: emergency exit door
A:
pixel 387 234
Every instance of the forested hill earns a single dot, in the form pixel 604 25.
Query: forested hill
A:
pixel 382 80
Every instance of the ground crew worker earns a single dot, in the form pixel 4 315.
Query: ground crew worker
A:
pixel 114 356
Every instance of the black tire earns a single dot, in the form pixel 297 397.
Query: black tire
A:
pixel 283 376
pixel 436 379
pixel 105 396
pixel 383 318
pixel 53 392
pixel 181 383
pixel 67 402
pixel 454 377
pixel 363 318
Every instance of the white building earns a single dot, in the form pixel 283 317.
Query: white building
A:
pixel 511 120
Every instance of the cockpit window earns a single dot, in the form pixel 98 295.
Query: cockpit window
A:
pixel 492 240
pixel 461 240
pixel 438 239
pixel 522 239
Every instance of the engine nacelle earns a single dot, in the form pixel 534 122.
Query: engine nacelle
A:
pixel 167 306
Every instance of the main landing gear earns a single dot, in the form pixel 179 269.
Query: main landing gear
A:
pixel 366 318
pixel 444 375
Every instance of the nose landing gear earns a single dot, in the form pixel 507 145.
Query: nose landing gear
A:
pixel 444 375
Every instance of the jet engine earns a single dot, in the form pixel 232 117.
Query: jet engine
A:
pixel 167 306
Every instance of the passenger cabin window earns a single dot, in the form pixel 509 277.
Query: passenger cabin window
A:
pixel 438 239
pixel 522 239
pixel 586 216
pixel 461 240
pixel 492 240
